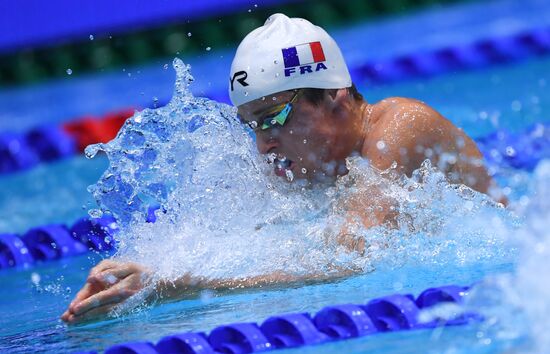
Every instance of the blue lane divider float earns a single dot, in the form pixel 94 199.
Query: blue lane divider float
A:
pixel 23 151
pixel 517 150
pixel 20 151
pixel 13 252
pixel 50 242
pixel 479 54
pixel 386 314
pixel 344 321
pixel 393 312
pixel 15 153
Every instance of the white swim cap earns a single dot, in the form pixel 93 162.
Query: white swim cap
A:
pixel 285 54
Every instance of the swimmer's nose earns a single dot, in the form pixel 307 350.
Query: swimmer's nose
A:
pixel 265 144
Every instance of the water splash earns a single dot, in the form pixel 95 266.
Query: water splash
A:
pixel 224 214
pixel 516 305
pixel 436 223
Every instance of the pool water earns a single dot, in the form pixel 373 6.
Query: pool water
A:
pixel 505 97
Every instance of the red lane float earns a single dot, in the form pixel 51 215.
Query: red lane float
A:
pixel 48 143
pixel 90 130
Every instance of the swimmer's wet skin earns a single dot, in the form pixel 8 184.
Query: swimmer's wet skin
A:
pixel 291 85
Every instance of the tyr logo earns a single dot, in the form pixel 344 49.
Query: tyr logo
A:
pixel 240 76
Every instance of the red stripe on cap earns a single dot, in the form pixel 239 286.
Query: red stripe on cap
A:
pixel 317 51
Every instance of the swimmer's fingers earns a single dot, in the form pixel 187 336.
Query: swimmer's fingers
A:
pixel 112 275
pixel 103 266
pixel 93 314
pixel 110 296
pixel 87 290
pixel 65 316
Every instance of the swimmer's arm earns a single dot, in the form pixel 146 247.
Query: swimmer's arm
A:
pixel 363 210
pixel 111 283
pixel 188 286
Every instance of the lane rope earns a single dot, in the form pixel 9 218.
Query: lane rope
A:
pixel 390 313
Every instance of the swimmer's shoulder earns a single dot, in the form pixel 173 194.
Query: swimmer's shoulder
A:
pixel 392 106
pixel 395 113
pixel 397 124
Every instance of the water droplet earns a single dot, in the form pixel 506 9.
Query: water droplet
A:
pixel 305 141
pixel 249 10
pixel 274 98
pixel 262 70
pixel 253 124
pixel 263 98
pixel 304 171
pixel 189 34
pixel 291 131
pixel 273 121
pixel 271 157
pixel 95 213
pixel 91 37
pixel 165 66
pixel 380 145
pixel 275 62
pixel 206 296
pixel 35 278
pixel 289 175
pixel 246 93
pixel 208 49
pixel 276 74
pixel 69 71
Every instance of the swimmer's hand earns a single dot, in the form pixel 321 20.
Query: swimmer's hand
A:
pixel 108 284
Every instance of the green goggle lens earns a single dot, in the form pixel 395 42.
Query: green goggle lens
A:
pixel 280 118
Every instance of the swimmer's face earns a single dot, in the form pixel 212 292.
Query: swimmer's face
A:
pixel 301 135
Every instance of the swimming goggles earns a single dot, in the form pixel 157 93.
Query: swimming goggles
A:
pixel 277 115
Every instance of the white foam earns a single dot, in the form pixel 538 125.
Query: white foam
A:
pixel 226 215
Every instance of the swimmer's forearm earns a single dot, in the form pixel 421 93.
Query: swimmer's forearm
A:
pixel 187 286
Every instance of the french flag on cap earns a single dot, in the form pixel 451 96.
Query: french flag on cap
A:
pixel 302 54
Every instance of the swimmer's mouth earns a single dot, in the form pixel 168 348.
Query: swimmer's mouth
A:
pixel 281 164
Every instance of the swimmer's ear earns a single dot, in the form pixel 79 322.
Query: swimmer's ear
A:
pixel 336 99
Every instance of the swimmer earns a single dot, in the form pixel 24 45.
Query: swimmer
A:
pixel 292 87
